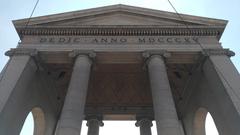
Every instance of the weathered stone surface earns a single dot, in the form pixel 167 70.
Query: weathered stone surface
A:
pixel 41 75
pixel 72 113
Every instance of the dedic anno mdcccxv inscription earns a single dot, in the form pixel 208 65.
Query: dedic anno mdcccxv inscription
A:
pixel 119 40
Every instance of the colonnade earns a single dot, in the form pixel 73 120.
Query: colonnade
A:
pixel 72 113
pixel 164 109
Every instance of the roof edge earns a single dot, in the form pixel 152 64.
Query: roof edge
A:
pixel 123 8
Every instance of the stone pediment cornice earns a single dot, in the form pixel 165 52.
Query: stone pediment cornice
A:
pixel 122 9
pixel 131 30
pixel 120 20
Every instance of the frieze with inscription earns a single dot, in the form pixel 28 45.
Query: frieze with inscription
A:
pixel 118 40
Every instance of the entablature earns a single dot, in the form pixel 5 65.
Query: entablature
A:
pixel 131 30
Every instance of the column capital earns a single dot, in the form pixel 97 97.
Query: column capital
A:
pixel 210 52
pixel 149 53
pixel 90 53
pixel 144 121
pixel 21 51
pixel 95 119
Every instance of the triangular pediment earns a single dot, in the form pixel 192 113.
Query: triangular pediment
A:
pixel 116 18
pixel 119 15
pixel 120 20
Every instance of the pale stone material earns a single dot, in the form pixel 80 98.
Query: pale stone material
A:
pixel 145 126
pixel 163 104
pixel 22 90
pixel 119 34
pixel 213 88
pixel 229 77
pixel 223 79
pixel 14 83
pixel 125 15
pixel 73 109
pixel 18 73
pixel 93 126
pixel 39 121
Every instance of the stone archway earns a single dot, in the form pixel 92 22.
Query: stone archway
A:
pixel 39 121
pixel 199 121
pixel 34 122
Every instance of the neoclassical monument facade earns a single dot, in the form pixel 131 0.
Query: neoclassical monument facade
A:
pixel 120 63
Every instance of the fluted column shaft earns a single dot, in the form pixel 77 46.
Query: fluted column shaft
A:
pixel 164 107
pixel 93 126
pixel 145 126
pixel 73 109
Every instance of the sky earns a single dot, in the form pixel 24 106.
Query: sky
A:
pixel 118 127
pixel 18 9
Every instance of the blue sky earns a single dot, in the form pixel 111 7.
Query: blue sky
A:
pixel 17 9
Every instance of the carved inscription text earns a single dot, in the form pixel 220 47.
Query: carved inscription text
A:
pixel 118 40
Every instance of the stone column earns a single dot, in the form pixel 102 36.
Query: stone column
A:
pixel 14 82
pixel 224 81
pixel 93 126
pixel 224 75
pixel 145 126
pixel 164 108
pixel 73 110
